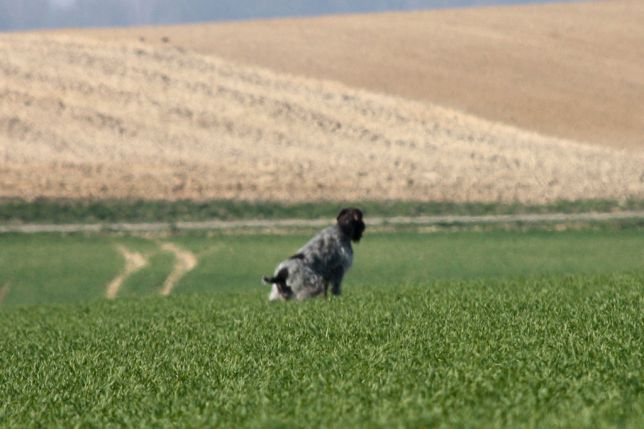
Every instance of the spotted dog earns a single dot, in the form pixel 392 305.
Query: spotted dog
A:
pixel 321 263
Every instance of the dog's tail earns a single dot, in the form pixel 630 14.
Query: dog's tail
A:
pixel 280 281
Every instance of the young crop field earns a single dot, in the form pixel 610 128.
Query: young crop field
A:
pixel 64 268
pixel 465 329
pixel 562 351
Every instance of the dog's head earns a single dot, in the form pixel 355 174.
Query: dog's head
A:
pixel 351 223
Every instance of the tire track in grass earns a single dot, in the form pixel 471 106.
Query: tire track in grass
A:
pixel 134 262
pixel 186 261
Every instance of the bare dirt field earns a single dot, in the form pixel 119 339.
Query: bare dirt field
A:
pixel 571 70
pixel 81 118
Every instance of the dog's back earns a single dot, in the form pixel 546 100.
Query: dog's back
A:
pixel 328 250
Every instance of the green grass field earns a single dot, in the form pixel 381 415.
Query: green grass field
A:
pixel 57 268
pixel 453 329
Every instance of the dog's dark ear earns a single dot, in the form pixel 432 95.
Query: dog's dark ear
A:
pixel 342 215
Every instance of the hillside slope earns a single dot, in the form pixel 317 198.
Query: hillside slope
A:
pixel 570 70
pixel 81 118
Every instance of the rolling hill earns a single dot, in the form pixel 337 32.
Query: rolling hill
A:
pixel 82 118
pixel 572 70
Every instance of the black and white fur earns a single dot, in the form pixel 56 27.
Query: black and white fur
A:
pixel 321 263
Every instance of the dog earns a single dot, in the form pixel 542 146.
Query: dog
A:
pixel 321 263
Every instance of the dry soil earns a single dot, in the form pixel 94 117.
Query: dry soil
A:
pixel 573 70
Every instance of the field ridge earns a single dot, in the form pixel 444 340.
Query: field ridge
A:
pixel 376 221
